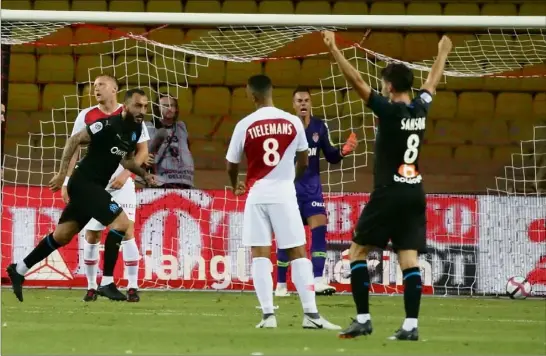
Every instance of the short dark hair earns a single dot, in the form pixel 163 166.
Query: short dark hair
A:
pixel 111 77
pixel 399 75
pixel 156 109
pixel 129 94
pixel 301 90
pixel 260 84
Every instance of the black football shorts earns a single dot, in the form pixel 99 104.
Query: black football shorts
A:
pixel 396 213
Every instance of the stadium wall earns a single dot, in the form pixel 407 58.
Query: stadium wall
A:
pixel 191 239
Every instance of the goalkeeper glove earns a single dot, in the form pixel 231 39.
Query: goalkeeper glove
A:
pixel 350 145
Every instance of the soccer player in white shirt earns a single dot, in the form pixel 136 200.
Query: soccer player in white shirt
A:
pixel 270 139
pixel 122 189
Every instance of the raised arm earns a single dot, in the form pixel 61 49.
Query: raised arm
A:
pixel 437 70
pixel 349 72
pixel 81 138
pixel 128 162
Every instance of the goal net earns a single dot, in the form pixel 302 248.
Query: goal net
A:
pixel 191 239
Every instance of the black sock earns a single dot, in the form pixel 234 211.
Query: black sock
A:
pixel 111 251
pixel 412 291
pixel 360 284
pixel 41 251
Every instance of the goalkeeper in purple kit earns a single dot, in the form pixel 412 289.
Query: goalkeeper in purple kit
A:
pixel 309 192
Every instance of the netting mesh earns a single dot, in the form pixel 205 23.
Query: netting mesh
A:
pixel 192 239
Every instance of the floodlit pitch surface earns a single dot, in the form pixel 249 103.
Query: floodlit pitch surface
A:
pixel 57 322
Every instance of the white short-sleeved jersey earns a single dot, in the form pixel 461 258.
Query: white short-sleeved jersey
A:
pixel 269 138
pixel 94 113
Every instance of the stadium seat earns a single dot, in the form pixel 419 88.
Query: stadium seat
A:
pixel 241 105
pixel 90 35
pixel 475 105
pixel 532 9
pixel 388 43
pixel 16 4
pixel 534 78
pixel 62 38
pixel 225 126
pixel 184 96
pixel 450 132
pixel 237 73
pixel 520 130
pixel 88 67
pixel 58 96
pixel 387 8
pixel 539 107
pixel 499 9
pixel 170 67
pixel 209 154
pixel 40 122
pixel 54 68
pixel 350 8
pixel 86 98
pixel 212 101
pixel 352 105
pixel 22 68
pixel 514 106
pixel 240 7
pixel 283 99
pixel 472 153
pixel 444 105
pixel 19 123
pixel 315 7
pixel 419 46
pixel 203 6
pixel 89 5
pixel 206 71
pixel 424 8
pixel 435 152
pixel 199 126
pixel 487 132
pixel 171 36
pixel 495 84
pixel 133 70
pixel 284 73
pixel 503 154
pixel 460 39
pixel 313 70
pixel 57 5
pixel 276 7
pixel 325 103
pixel 456 8
pixel 127 5
pixel 164 6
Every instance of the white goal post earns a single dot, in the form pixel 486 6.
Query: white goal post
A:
pixel 191 239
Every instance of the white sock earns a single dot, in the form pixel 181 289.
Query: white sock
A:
pixel 362 318
pixel 91 260
pixel 263 282
pixel 106 280
pixel 409 324
pixel 131 256
pixel 302 276
pixel 319 280
pixel 21 268
pixel 281 285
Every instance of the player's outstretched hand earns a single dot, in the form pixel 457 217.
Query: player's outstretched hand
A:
pixel 240 189
pixel 151 180
pixel 150 160
pixel 350 145
pixel 445 45
pixel 329 39
pixel 119 181
pixel 56 182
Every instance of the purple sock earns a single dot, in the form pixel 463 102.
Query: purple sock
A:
pixel 282 266
pixel 318 250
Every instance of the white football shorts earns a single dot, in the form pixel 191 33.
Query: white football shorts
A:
pixel 260 221
pixel 126 198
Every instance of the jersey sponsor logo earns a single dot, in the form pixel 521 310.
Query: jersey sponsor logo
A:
pixel 312 151
pixel 116 151
pixel 317 204
pixel 269 129
pixel 315 137
pixel 413 124
pixel 96 127
pixel 415 180
pixel 113 207
pixel 133 136
pixel 407 173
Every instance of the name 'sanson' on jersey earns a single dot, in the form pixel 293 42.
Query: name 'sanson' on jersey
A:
pixel 414 124
pixel 270 129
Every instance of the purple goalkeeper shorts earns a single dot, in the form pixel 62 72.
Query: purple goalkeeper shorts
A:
pixel 311 206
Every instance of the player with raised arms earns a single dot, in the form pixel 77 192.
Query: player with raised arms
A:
pixel 112 141
pixel 122 188
pixel 309 192
pixel 397 206
pixel 270 139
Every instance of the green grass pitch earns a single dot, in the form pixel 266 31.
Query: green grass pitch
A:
pixel 57 322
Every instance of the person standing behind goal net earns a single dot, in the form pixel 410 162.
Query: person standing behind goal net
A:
pixel 270 139
pixel 122 188
pixel 397 206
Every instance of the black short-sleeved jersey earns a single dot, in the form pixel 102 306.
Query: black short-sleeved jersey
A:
pixel 111 139
pixel 398 139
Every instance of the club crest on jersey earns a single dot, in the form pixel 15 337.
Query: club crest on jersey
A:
pixel 315 137
pixel 133 137
pixel 96 127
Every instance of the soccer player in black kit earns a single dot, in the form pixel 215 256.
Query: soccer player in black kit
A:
pixel 112 141
pixel 397 206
